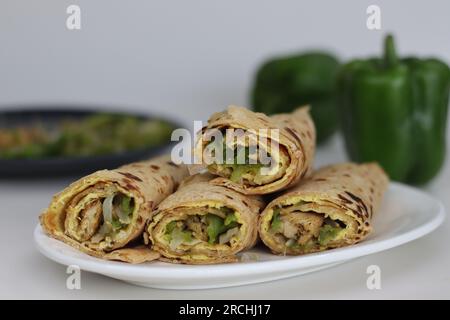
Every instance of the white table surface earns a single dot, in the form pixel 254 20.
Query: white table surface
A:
pixel 188 60
pixel 419 269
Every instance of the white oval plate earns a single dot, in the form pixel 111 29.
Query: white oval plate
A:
pixel 405 215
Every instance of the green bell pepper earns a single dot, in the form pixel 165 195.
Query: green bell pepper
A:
pixel 283 84
pixel 394 111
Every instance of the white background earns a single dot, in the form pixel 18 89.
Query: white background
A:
pixel 186 59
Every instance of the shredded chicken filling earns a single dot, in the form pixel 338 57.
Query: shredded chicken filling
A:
pixel 297 228
pixel 99 214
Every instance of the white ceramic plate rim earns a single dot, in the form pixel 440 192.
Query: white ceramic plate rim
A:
pixel 118 269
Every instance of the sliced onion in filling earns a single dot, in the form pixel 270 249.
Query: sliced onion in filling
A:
pixel 108 209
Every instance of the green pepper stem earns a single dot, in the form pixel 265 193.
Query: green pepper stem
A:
pixel 390 56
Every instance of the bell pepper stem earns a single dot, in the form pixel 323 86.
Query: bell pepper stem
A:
pixel 390 56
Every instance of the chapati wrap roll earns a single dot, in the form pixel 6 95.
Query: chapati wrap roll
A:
pixel 203 223
pixel 288 140
pixel 331 209
pixel 104 213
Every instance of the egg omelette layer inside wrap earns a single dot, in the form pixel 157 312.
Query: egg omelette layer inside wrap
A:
pixel 288 140
pixel 203 223
pixel 331 209
pixel 104 213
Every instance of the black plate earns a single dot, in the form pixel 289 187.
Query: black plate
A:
pixel 62 166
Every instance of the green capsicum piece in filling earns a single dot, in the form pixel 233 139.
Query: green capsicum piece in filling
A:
pixel 238 169
pixel 176 235
pixel 126 205
pixel 217 226
pixel 276 225
pixel 327 233
pixel 177 232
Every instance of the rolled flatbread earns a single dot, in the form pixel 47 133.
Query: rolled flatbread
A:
pixel 331 209
pixel 104 213
pixel 202 223
pixel 287 139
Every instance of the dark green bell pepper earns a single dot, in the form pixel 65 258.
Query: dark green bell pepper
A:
pixel 394 111
pixel 283 84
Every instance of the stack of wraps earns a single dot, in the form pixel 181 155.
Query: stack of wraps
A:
pixel 288 139
pixel 104 214
pixel 331 209
pixel 154 210
pixel 202 223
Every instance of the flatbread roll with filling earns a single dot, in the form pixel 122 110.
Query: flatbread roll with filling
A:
pixel 257 154
pixel 203 223
pixel 104 213
pixel 332 209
